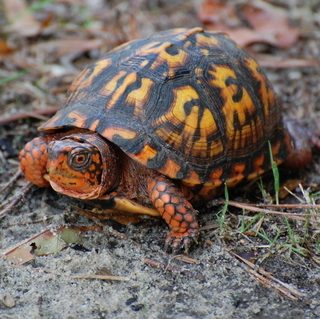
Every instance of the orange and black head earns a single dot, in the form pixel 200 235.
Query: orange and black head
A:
pixel 79 165
pixel 82 166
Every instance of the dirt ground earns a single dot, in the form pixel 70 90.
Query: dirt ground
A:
pixel 213 282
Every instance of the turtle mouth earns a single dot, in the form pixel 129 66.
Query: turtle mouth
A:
pixel 95 193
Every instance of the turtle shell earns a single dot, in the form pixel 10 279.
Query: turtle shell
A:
pixel 185 102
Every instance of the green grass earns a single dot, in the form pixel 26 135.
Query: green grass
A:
pixel 40 5
pixel 221 215
pixel 277 235
pixel 247 224
pixel 272 241
pixel 12 77
pixel 276 176
pixel 284 234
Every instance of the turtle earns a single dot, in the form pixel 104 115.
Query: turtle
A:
pixel 161 125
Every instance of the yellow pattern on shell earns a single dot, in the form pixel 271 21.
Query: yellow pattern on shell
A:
pixel 83 81
pixel 267 95
pixel 248 132
pixel 110 132
pixel 204 123
pixel 129 79
pixel 146 154
pixel 78 119
pixel 138 97
pixel 173 61
pixel 94 125
pixel 170 168
pixel 111 85
pixel 203 40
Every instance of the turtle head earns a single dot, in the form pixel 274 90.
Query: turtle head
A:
pixel 82 166
pixel 78 165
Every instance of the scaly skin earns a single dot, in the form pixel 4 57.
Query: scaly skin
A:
pixel 303 139
pixel 33 160
pixel 178 213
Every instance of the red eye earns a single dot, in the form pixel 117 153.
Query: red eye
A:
pixel 80 160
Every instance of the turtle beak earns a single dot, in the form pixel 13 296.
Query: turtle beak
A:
pixel 46 177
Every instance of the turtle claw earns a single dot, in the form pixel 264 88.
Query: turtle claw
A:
pixel 177 242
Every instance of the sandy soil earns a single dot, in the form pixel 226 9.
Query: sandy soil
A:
pixel 213 284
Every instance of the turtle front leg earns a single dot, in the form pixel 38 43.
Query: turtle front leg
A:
pixel 33 160
pixel 177 211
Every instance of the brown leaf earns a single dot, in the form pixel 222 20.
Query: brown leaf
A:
pixel 267 24
pixel 246 37
pixel 265 18
pixel 66 47
pixel 20 18
pixel 288 185
pixel 5 48
pixel 216 13
pixel 44 243
pixel 39 114
pixel 270 61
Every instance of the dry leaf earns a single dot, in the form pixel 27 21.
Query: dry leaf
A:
pixel 290 185
pixel 101 277
pixel 267 19
pixel 267 24
pixel 214 13
pixel 5 49
pixel 270 61
pixel 20 18
pixel 44 243
pixel 65 47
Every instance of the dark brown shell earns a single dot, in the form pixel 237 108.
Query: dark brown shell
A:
pixel 187 103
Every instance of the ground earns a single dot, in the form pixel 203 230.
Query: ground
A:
pixel 247 264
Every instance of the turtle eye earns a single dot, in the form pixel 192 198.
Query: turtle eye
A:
pixel 79 160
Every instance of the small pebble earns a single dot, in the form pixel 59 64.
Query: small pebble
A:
pixel 7 300
pixel 295 75
pixel 137 307
pixel 131 300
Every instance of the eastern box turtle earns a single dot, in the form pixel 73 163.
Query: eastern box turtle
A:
pixel 161 124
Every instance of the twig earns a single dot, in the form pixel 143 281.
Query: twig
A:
pixel 272 62
pixel 257 208
pixel 290 206
pixel 268 280
pixel 34 222
pixel 186 259
pixel 14 200
pixel 38 114
pixel 159 265
pixel 101 277
pixel 11 181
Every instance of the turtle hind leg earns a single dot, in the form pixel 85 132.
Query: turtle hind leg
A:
pixel 177 211
pixel 304 140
